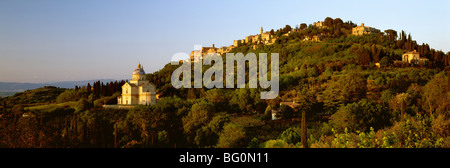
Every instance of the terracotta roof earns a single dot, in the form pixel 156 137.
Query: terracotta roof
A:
pixel 291 104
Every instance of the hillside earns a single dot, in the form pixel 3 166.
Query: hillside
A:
pixel 338 76
pixel 334 53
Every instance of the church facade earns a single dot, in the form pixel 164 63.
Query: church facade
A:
pixel 139 90
pixel 413 57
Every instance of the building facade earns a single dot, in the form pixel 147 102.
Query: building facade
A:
pixel 139 90
pixel 413 57
pixel 320 24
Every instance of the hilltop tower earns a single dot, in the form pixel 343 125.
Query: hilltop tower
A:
pixel 261 30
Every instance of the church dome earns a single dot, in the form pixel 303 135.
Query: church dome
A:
pixel 139 70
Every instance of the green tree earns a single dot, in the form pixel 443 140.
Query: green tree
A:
pixel 306 100
pixel 191 94
pixel 215 95
pixel 361 116
pixel 436 93
pixel 286 112
pixel 353 87
pixel 278 143
pixel 242 99
pixel 391 34
pixel 163 137
pixel 328 72
pixel 338 22
pixel 385 61
pixel 418 133
pixel 303 26
pixel 208 135
pixel 312 72
pixel 367 140
pixel 175 109
pixel 218 97
pixel 18 109
pixel 71 95
pixel 267 114
pixel 364 57
pixel 201 113
pixel 376 53
pixel 328 22
pixel 254 143
pixel 83 104
pixel 401 101
pixel 387 95
pixel 343 140
pixel 148 121
pixel 304 131
pixel 291 135
pixel 287 29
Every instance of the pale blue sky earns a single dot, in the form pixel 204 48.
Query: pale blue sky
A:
pixel 64 40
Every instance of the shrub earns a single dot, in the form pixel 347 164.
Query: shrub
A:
pixel 291 135
pixel 277 144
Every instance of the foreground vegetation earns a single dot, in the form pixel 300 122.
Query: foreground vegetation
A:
pixel 346 101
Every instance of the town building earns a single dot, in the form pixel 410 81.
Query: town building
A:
pixel 320 24
pixel 262 38
pixel 314 38
pixel 139 90
pixel 210 50
pixel 276 114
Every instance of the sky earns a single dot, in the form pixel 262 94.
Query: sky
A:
pixel 71 40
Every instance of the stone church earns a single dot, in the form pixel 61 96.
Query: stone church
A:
pixel 139 90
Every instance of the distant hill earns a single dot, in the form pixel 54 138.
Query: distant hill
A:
pixel 17 87
pixel 33 96
pixel 4 94
pixel 20 87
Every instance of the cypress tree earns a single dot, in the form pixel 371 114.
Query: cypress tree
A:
pixel 304 135
pixel 115 136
